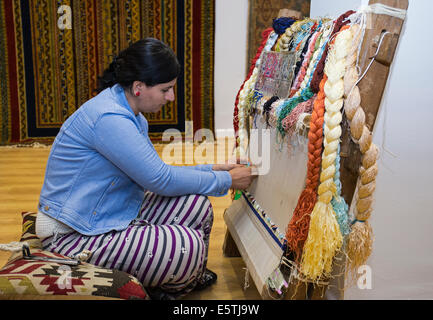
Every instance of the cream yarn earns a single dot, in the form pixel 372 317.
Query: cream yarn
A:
pixel 360 239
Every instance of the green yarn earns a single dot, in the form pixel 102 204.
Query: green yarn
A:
pixel 290 105
pixel 339 205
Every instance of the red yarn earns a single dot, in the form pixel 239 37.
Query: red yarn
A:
pixel 265 36
pixel 318 73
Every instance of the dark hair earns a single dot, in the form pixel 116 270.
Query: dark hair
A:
pixel 148 60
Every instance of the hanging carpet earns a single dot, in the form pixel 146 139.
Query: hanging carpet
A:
pixel 48 70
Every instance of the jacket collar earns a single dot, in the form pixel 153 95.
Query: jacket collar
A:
pixel 119 94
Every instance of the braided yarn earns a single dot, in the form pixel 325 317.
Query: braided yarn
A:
pixel 284 41
pixel 324 238
pixel 318 73
pixel 297 230
pixel 360 240
pixel 339 205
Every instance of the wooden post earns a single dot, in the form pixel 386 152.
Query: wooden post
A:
pixel 371 87
pixel 290 13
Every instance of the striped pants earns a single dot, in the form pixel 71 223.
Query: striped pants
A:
pixel 166 246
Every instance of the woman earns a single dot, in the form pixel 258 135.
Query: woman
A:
pixel 107 191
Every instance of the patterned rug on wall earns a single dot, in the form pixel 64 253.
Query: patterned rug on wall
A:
pixel 260 16
pixel 48 70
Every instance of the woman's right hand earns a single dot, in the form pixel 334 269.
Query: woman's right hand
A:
pixel 242 177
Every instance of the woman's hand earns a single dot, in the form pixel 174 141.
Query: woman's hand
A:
pixel 242 177
pixel 231 164
pixel 226 166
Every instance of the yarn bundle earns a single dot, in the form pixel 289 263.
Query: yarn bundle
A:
pixel 360 239
pixel 325 78
pixel 324 237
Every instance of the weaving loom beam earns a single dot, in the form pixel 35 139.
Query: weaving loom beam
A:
pixel 371 88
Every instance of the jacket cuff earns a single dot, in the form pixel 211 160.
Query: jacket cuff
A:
pixel 224 182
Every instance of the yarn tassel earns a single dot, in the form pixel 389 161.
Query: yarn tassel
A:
pixel 359 245
pixel 297 231
pixel 360 240
pixel 324 238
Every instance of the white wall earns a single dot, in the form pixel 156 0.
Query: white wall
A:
pixel 402 258
pixel 230 55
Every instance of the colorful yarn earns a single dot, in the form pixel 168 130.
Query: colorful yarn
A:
pixel 303 69
pixel 290 121
pixel 297 230
pixel 324 237
pixel 318 73
pixel 267 108
pixel 360 240
pixel 305 29
pixel 289 106
pixel 324 37
pixel 272 114
pixel 305 44
pixel 284 41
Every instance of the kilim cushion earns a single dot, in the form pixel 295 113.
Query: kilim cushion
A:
pixel 21 278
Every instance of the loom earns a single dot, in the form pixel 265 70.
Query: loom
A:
pixel 257 220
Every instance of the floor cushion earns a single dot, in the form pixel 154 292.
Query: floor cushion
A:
pixel 21 278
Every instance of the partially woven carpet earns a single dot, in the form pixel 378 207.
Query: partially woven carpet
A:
pixel 47 72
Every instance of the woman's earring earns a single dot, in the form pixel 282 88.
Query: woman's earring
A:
pixel 137 93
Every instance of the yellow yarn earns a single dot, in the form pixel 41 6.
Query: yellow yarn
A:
pixel 324 237
pixel 242 147
pixel 284 41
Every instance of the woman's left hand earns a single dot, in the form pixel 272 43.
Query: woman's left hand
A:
pixel 226 166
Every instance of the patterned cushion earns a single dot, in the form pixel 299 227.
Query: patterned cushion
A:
pixel 21 277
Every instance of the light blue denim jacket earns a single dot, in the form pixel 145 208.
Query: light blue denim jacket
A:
pixel 102 161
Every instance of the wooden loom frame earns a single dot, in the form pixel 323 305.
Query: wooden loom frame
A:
pixel 371 88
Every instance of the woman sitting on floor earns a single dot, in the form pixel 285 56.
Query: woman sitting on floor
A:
pixel 106 190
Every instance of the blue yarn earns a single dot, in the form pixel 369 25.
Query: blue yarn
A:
pixel 340 207
pixel 281 24
pixel 305 29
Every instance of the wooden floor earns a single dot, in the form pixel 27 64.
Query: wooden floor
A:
pixel 21 177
